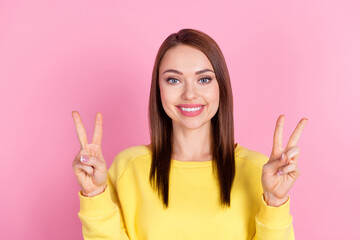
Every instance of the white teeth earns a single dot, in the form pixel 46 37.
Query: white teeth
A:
pixel 191 109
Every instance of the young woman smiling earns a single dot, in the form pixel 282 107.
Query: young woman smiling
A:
pixel 192 181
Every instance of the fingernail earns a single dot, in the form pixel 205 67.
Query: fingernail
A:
pixel 84 159
pixel 280 172
pixel 282 156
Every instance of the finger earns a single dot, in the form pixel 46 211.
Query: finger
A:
pixel 294 138
pixel 88 169
pixel 78 167
pixel 288 169
pixel 275 165
pixel 77 159
pixel 93 162
pixel 293 154
pixel 295 159
pixel 80 129
pixel 98 129
pixel 277 140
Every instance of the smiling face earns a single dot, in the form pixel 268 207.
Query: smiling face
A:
pixel 188 87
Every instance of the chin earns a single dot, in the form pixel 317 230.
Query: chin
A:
pixel 192 125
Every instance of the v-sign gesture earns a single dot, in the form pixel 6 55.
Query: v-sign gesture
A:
pixel 281 171
pixel 89 164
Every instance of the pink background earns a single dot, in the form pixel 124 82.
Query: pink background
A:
pixel 298 58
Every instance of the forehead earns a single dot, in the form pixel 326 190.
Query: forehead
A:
pixel 185 59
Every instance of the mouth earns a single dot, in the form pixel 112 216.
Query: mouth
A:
pixel 190 107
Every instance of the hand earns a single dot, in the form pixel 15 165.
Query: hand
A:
pixel 89 164
pixel 279 174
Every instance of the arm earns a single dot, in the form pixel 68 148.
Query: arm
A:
pixel 274 223
pixel 278 175
pixel 101 217
pixel 100 212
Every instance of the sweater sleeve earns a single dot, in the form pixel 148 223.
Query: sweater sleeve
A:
pixel 274 223
pixel 101 216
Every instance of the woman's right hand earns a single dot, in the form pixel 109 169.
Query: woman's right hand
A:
pixel 89 164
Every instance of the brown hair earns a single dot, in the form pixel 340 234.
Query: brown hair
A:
pixel 222 123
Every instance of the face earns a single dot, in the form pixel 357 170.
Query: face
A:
pixel 188 87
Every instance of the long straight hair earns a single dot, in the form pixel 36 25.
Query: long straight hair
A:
pixel 222 124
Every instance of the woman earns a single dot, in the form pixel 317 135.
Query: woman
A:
pixel 192 181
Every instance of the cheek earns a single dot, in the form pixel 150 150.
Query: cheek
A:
pixel 167 96
pixel 167 101
pixel 162 93
pixel 213 96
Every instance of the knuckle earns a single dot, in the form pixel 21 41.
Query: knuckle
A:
pixel 76 167
pixel 75 162
pixel 104 164
pixel 93 161
pixel 83 152
pixel 265 166
pixel 98 155
pixel 296 149
pixel 88 168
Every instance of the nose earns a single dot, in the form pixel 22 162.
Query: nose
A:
pixel 189 92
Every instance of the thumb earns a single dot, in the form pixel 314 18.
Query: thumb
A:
pixel 92 161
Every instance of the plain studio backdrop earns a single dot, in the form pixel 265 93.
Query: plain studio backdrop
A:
pixel 298 58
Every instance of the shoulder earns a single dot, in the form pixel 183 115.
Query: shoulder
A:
pixel 125 158
pixel 132 152
pixel 254 157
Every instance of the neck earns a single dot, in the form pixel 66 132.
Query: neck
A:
pixel 192 144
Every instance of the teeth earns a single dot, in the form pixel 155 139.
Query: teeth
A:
pixel 191 109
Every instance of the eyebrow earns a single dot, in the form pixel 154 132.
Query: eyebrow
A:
pixel 196 73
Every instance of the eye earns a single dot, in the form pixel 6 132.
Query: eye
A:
pixel 172 80
pixel 205 80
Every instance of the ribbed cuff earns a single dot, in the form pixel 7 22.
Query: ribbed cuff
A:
pixel 97 205
pixel 274 216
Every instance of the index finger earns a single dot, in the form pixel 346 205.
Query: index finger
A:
pixel 98 129
pixel 80 129
pixel 294 138
pixel 277 140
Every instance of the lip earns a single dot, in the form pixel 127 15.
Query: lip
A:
pixel 190 105
pixel 190 114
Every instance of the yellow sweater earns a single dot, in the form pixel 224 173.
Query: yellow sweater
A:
pixel 130 209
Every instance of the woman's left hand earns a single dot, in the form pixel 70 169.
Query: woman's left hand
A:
pixel 279 174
